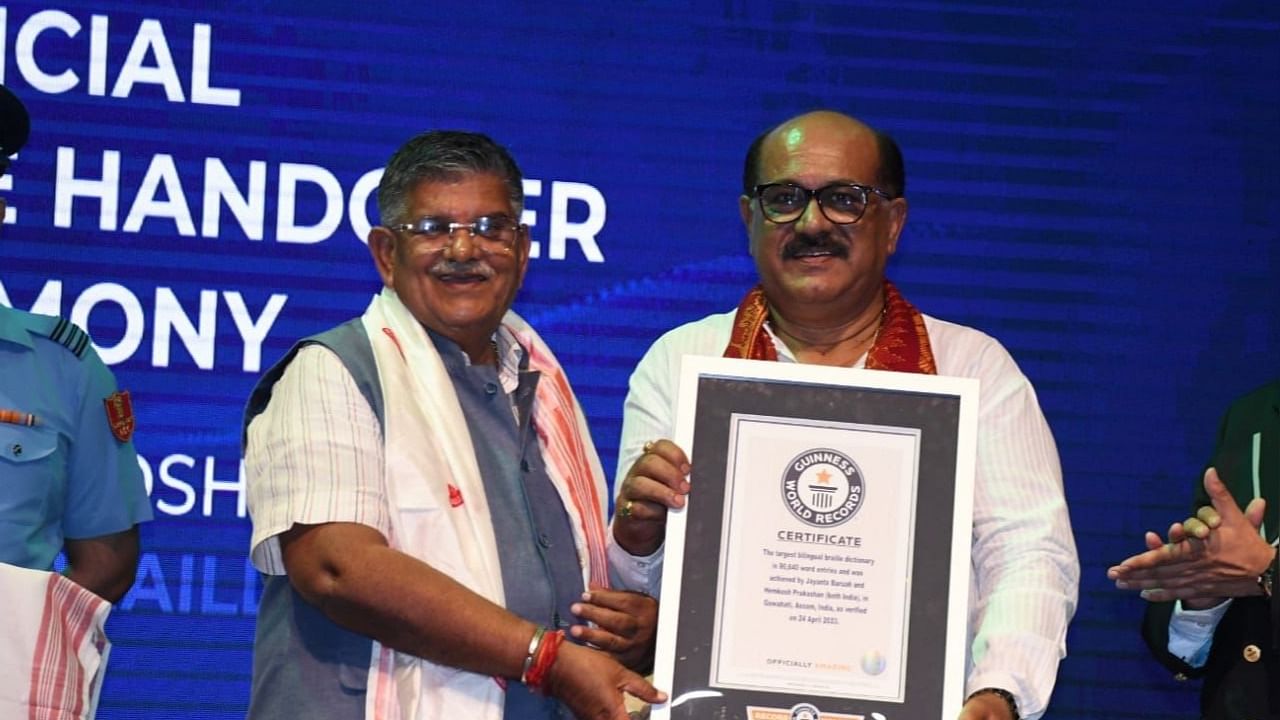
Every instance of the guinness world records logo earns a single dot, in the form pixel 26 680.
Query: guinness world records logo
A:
pixel 822 487
pixel 805 711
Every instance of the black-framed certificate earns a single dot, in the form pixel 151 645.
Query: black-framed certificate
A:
pixel 820 569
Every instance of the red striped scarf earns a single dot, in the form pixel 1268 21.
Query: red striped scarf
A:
pixel 560 430
pixel 902 344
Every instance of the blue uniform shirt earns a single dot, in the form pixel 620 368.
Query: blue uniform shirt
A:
pixel 66 475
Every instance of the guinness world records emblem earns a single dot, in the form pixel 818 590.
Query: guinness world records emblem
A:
pixel 823 487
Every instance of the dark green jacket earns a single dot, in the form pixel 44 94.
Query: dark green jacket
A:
pixel 1242 674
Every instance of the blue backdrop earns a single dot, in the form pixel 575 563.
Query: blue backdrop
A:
pixel 1092 183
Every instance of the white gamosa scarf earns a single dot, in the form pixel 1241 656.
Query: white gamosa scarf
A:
pixel 53 649
pixel 439 513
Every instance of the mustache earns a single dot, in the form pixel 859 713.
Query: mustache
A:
pixel 464 267
pixel 804 244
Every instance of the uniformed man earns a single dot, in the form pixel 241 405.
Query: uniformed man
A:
pixel 69 478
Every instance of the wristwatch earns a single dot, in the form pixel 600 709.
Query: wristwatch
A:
pixel 1003 695
pixel 1267 579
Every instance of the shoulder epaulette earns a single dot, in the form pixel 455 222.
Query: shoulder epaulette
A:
pixel 67 334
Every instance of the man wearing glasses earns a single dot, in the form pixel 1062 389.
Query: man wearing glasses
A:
pixel 426 501
pixel 823 205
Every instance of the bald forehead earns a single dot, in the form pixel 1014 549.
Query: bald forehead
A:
pixel 821 146
pixel 823 122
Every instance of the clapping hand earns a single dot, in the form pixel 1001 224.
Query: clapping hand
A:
pixel 1216 554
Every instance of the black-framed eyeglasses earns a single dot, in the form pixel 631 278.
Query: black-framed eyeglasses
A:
pixel 841 203
pixel 490 231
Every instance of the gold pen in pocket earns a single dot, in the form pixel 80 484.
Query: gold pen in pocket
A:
pixel 17 417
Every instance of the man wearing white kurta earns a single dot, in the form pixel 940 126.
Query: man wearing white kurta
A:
pixel 823 205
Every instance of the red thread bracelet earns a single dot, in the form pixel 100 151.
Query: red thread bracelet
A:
pixel 545 656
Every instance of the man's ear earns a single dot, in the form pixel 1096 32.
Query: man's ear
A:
pixel 897 221
pixel 744 210
pixel 382 246
pixel 522 246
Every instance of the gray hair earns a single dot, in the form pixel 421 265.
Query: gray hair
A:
pixel 444 156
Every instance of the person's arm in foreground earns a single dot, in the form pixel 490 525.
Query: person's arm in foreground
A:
pixel 359 582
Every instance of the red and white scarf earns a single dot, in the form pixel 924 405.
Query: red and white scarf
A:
pixel 902 344
pixel 53 648
pixel 439 512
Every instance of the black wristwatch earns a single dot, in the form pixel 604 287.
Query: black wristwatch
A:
pixel 1267 579
pixel 1003 695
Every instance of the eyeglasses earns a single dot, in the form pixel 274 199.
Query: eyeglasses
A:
pixel 492 232
pixel 841 203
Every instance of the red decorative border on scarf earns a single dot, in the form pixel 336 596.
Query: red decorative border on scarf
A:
pixel 58 679
pixel 902 343
pixel 556 423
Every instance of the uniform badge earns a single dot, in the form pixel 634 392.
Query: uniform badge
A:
pixel 17 417
pixel 120 415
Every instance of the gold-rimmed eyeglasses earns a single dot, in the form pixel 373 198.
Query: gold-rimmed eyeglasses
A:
pixel 492 232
